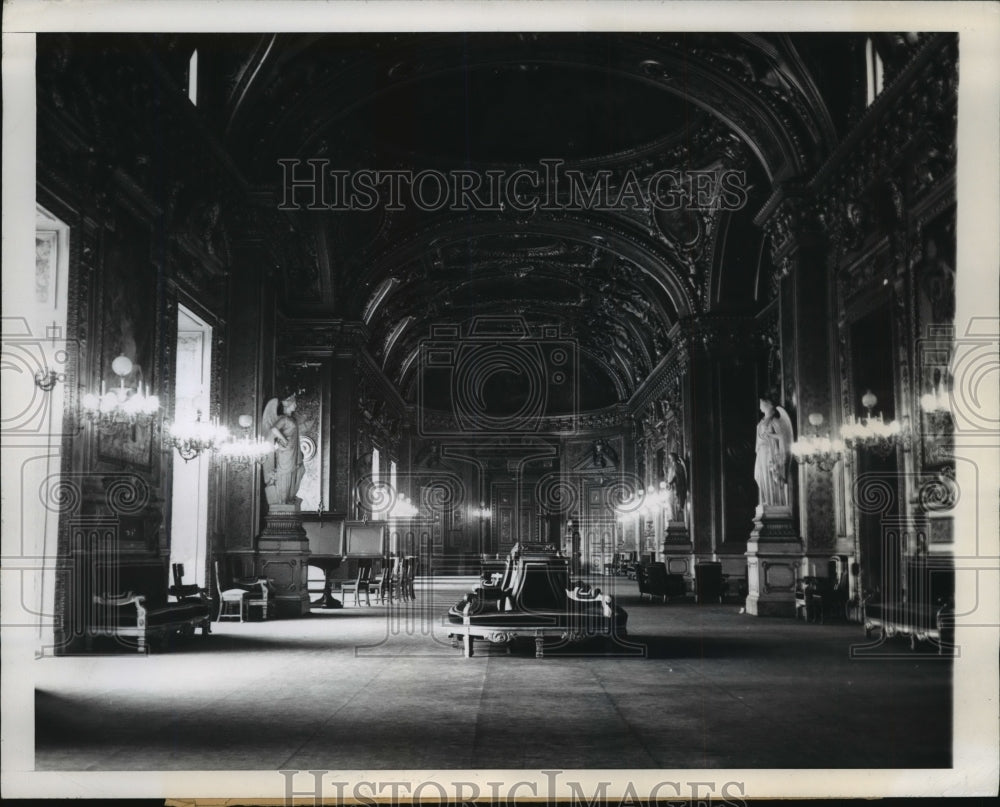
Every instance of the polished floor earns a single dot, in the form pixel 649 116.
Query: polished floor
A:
pixel 695 686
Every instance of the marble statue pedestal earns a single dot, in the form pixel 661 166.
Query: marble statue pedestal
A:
pixel 773 554
pixel 283 558
pixel 677 551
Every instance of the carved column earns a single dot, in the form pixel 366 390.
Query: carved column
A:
pixel 720 402
pixel 776 554
pixel 676 546
pixel 251 317
pixel 805 301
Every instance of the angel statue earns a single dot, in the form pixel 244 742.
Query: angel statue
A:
pixel 774 440
pixel 677 488
pixel 283 468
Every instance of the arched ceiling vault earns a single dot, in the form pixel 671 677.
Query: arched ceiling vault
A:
pixel 626 106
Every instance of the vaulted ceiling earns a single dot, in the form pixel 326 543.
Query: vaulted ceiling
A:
pixel 614 281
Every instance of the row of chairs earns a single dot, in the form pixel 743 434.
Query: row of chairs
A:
pixel 394 582
pixel 235 602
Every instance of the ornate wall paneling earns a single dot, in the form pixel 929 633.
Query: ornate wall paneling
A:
pixel 447 481
pixel 877 191
pixel 872 331
pixel 79 368
pixel 121 474
pixel 378 419
pixel 932 265
pixel 107 102
pixel 114 305
pixel 249 350
pixel 133 312
pixel 592 480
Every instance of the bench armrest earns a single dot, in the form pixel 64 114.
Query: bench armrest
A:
pixel 123 600
pixel 592 595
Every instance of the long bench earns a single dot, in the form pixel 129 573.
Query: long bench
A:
pixel 133 606
pixel 534 600
pixel 922 611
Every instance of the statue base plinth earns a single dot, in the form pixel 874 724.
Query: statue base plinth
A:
pixel 676 550
pixel 284 521
pixel 773 554
pixel 283 558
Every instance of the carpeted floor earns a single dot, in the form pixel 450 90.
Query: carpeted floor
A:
pixel 694 686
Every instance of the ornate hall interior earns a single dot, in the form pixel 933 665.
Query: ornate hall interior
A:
pixel 336 340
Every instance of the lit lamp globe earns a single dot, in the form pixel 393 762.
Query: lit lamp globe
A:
pixel 245 421
pixel 122 366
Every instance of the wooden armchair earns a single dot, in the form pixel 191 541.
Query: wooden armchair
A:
pixel 247 593
pixel 259 596
pixel 652 579
pixel 386 585
pixel 181 591
pixel 362 583
pixel 407 589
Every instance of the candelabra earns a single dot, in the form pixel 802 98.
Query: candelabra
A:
pixel 191 438
pixel 817 449
pixel 403 508
pixel 246 448
pixel 871 432
pixel 121 404
pixel 937 407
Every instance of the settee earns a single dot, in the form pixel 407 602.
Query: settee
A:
pixel 130 603
pixel 534 599
pixel 923 610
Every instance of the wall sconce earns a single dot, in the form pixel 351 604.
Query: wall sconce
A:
pixel 871 432
pixel 191 438
pixel 245 449
pixel 403 508
pixel 817 449
pixel 634 505
pixel 482 512
pixel 937 407
pixel 120 404
pixel 46 379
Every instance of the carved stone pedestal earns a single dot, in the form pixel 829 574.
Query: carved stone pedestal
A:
pixel 774 551
pixel 283 558
pixel 677 551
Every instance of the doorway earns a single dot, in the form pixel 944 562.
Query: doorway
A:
pixel 192 396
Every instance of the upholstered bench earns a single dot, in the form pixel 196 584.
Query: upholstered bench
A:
pixel 924 621
pixel 536 602
pixel 134 606
pixel 924 611
pixel 653 580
